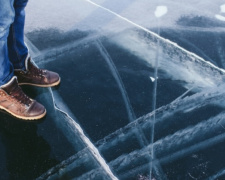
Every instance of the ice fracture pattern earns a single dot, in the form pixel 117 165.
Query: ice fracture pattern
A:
pixel 142 93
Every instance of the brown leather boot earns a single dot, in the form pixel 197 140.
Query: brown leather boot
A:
pixel 35 76
pixel 14 101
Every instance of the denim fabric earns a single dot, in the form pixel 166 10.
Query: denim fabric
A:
pixel 6 19
pixel 13 51
pixel 16 46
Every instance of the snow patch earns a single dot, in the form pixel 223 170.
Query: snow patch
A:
pixel 152 79
pixel 222 8
pixel 171 62
pixel 160 11
pixel 221 18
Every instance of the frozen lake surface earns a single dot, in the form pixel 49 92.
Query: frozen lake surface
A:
pixel 142 93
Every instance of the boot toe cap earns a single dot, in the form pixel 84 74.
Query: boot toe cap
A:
pixel 53 78
pixel 36 111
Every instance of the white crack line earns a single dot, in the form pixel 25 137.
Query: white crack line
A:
pixel 156 35
pixel 93 150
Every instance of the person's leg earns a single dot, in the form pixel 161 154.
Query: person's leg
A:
pixel 24 69
pixel 18 51
pixel 6 19
pixel 12 98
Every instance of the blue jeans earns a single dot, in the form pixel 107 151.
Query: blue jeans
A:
pixel 13 50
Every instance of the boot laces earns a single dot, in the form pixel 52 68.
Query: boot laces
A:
pixel 20 96
pixel 35 71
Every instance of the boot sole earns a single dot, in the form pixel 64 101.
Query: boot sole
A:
pixel 22 117
pixel 41 85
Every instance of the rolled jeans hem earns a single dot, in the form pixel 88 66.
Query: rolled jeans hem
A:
pixel 7 79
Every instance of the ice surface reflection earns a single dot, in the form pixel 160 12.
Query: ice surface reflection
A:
pixel 181 129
